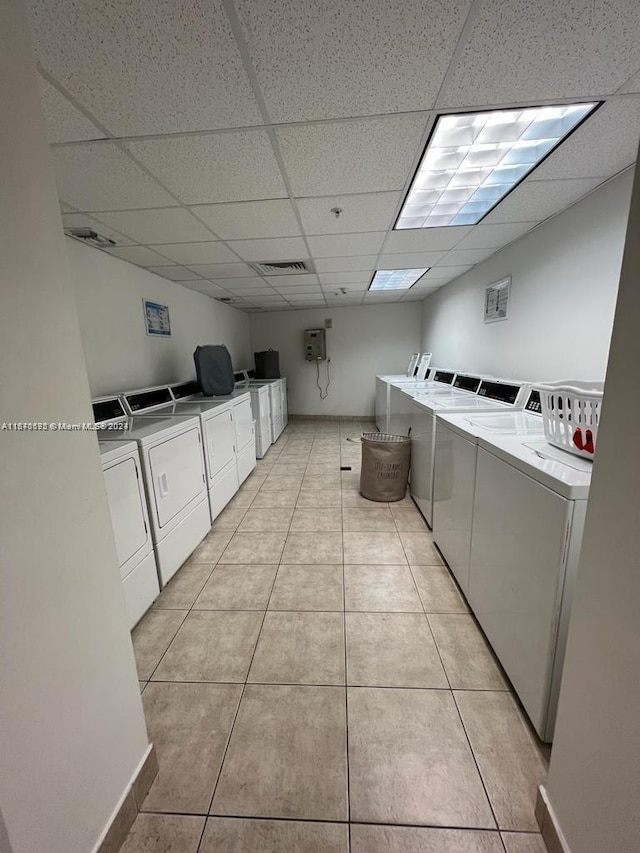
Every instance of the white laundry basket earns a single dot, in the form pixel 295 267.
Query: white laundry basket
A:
pixel 571 415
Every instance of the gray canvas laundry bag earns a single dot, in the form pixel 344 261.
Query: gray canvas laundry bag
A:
pixel 385 466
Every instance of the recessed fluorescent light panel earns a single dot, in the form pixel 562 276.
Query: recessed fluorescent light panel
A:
pixel 474 159
pixel 396 279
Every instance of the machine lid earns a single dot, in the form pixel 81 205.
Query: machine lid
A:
pixel 111 451
pixel 141 401
pixel 185 389
pixel 465 382
pixel 562 472
pixel 108 409
pixel 502 392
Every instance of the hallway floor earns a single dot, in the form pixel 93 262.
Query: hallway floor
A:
pixel 313 682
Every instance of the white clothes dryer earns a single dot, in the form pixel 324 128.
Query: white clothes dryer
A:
pixel 123 481
pixel 173 471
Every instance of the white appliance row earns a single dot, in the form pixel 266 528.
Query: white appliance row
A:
pixel 268 403
pixel 191 456
pixel 509 517
pixel 171 465
pixel 227 430
pixel 422 407
pixel 384 385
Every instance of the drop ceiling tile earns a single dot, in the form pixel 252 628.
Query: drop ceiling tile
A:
pixel 250 219
pixel 304 52
pixel 205 168
pixel 359 156
pixel 465 257
pixel 349 290
pixel 445 273
pixel 330 278
pixel 167 225
pixel 368 212
pixel 605 144
pixel 413 297
pixel 81 220
pixel 253 293
pixel 292 280
pixel 346 264
pixel 408 260
pixel 218 271
pixel 99 176
pixel 237 283
pixel 346 244
pixel 494 236
pixel 301 289
pixel 205 287
pixel 147 67
pixel 632 85
pixel 140 255
pixel 541 49
pixel 274 249
pixel 425 239
pixel 174 273
pixel 197 253
pixel 302 297
pixel 64 122
pixel 537 200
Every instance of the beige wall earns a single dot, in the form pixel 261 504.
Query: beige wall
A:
pixel 119 353
pixel 563 292
pixel 364 341
pixel 594 778
pixel 72 731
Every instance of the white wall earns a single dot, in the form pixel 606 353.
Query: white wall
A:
pixel 364 341
pixel 594 777
pixel 119 353
pixel 563 291
pixel 72 730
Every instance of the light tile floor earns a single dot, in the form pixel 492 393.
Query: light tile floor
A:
pixel 314 683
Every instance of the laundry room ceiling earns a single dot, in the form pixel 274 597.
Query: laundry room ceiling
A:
pixel 204 136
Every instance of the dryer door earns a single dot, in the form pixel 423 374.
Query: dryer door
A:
pixel 220 440
pixel 126 507
pixel 243 420
pixel 177 473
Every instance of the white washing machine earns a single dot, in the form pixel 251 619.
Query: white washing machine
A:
pixel 492 395
pixel 173 471
pixel 131 529
pixel 447 385
pixel 456 450
pixel 528 519
pixel 436 380
pixel 227 429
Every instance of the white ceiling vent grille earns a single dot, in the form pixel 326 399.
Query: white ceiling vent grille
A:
pixel 283 267
pixel 496 301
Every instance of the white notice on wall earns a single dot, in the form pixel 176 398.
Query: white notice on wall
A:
pixel 496 300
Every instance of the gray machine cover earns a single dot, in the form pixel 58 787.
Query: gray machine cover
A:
pixel 214 370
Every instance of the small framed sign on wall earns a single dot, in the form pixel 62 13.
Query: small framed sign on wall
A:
pixel 156 319
pixel 496 301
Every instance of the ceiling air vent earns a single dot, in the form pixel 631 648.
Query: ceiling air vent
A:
pixel 91 237
pixel 283 267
